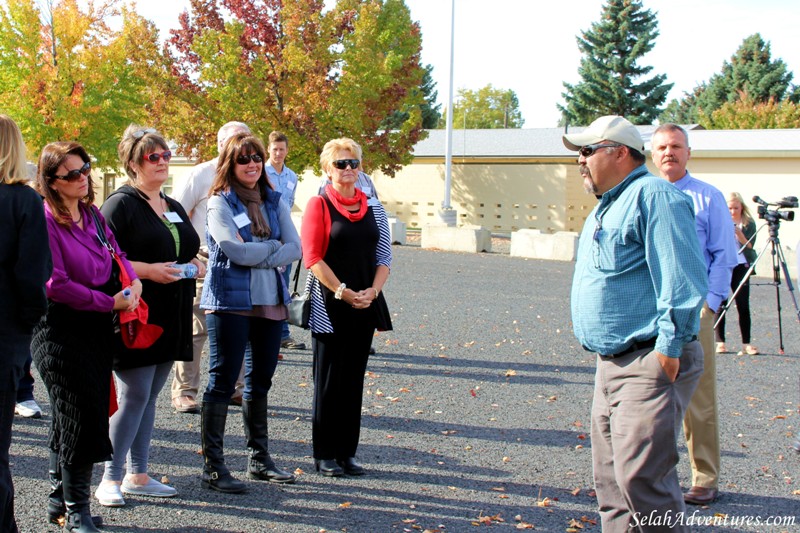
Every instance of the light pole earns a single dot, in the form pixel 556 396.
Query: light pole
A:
pixel 447 213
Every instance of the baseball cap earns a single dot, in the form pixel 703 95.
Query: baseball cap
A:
pixel 608 128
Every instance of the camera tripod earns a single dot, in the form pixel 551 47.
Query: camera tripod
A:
pixel 773 244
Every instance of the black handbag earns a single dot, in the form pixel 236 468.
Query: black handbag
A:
pixel 300 305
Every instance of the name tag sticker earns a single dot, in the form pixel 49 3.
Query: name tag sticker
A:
pixel 290 185
pixel 173 217
pixel 367 190
pixel 372 201
pixel 241 220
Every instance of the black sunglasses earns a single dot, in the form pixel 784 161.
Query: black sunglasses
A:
pixel 590 149
pixel 341 164
pixel 75 175
pixel 155 156
pixel 243 159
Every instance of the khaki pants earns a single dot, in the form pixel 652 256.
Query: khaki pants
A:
pixel 701 424
pixel 636 417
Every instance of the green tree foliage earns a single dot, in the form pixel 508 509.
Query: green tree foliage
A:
pixel 612 83
pixel 486 108
pixel 750 71
pixel 431 111
pixel 748 113
pixel 65 75
pixel 314 73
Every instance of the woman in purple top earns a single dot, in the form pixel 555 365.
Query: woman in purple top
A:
pixel 74 343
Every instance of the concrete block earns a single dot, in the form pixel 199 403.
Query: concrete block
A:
pixel 397 230
pixel 457 239
pixel 532 243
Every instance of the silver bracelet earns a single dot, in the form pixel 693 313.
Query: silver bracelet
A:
pixel 339 291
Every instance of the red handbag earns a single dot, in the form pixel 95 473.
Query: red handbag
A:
pixel 136 332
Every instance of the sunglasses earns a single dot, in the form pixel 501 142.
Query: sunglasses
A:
pixel 155 157
pixel 243 159
pixel 341 164
pixel 590 149
pixel 75 175
pixel 138 134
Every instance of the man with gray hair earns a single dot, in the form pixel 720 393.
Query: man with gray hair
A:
pixel 670 151
pixel 639 313
pixel 194 198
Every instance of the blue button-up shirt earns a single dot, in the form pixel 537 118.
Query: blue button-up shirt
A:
pixel 285 182
pixel 715 233
pixel 640 273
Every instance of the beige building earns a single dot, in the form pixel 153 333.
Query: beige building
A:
pixel 505 180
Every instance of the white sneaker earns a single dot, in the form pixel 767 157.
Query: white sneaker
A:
pixel 28 409
pixel 109 494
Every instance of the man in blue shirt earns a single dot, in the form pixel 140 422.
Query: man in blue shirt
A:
pixel 637 291
pixel 285 182
pixel 670 152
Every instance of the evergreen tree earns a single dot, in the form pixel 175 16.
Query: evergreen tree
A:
pixel 751 71
pixel 429 108
pixel 612 83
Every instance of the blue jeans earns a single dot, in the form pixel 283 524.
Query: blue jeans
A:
pixel 228 335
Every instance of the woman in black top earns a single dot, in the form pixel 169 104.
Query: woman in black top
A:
pixel 24 268
pixel 156 233
pixel 346 245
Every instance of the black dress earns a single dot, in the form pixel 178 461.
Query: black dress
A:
pixel 144 237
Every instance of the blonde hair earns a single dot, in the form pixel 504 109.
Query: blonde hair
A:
pixel 137 141
pixel 13 166
pixel 747 218
pixel 328 155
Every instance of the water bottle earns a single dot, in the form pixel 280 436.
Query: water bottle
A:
pixel 187 270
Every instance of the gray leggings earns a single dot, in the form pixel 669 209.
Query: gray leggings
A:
pixel 131 427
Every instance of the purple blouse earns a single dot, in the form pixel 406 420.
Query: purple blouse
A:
pixel 80 262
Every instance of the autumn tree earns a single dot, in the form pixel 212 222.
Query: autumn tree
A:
pixel 66 75
pixel 751 71
pixel 486 108
pixel 612 81
pixel 748 113
pixel 314 73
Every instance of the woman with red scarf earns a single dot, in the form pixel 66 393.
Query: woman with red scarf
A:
pixel 347 248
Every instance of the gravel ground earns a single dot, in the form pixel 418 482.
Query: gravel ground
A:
pixel 476 414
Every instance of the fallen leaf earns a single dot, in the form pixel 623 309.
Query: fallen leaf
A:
pixel 510 373
pixel 345 505
pixel 575 491
pixel 778 417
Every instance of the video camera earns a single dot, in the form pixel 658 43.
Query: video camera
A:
pixel 774 216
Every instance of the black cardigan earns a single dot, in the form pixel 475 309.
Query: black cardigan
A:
pixel 144 237
pixel 25 261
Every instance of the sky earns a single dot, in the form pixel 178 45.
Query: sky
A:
pixel 529 46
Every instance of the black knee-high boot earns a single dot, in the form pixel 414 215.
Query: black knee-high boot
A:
pixel 76 484
pixel 216 475
pixel 260 466
pixel 56 510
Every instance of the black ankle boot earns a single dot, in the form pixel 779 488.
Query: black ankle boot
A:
pixel 76 483
pixel 351 467
pixel 215 474
pixel 328 467
pixel 260 466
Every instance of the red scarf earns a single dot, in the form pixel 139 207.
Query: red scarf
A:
pixel 340 203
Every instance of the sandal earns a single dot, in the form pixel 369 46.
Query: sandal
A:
pixel 721 348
